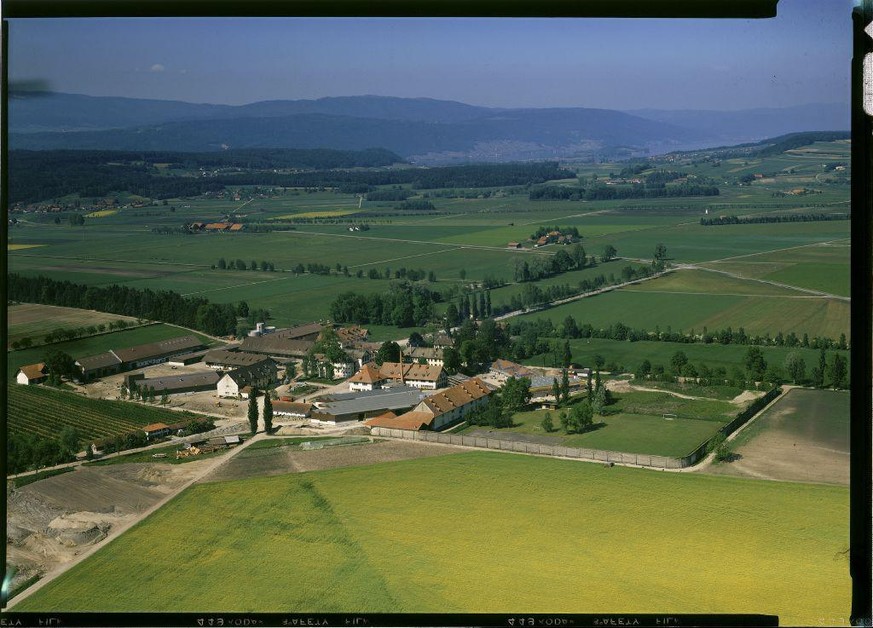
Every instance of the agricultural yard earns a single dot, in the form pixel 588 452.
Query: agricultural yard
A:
pixel 341 540
pixel 634 423
pixel 30 320
pixel 45 412
pixel 804 437
pixel 84 347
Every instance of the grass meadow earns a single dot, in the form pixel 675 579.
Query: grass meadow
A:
pixel 478 532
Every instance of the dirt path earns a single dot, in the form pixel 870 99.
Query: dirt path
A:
pixel 123 527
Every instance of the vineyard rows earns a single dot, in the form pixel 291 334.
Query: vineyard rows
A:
pixel 46 412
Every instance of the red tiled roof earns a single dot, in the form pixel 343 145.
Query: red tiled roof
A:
pixel 457 396
pixel 154 427
pixel 408 421
pixel 369 374
pixel 33 371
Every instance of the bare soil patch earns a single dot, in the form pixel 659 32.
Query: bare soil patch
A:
pixel 803 438
pixel 281 460
pixel 50 522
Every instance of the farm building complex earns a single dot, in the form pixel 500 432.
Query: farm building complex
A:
pixel 440 410
pixel 117 360
pixel 424 376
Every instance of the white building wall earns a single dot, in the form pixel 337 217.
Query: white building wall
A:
pixel 227 387
pixel 22 379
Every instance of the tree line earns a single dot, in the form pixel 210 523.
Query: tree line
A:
pixel 163 305
pixel 603 192
pixel 754 220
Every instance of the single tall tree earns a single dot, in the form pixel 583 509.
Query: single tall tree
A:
pixel 268 414
pixel 253 410
pixel 565 385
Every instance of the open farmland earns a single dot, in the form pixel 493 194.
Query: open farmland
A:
pixel 45 412
pixel 30 320
pixel 469 235
pixel 672 302
pixel 97 344
pixel 804 437
pixel 341 540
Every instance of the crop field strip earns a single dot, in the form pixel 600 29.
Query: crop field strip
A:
pixel 44 412
pixel 341 540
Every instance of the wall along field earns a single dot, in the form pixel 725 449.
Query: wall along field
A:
pixel 457 533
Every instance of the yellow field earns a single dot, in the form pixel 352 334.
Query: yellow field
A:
pixel 479 532
pixel 102 213
pixel 19 247
pixel 329 213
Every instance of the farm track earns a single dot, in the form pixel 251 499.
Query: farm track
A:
pixel 127 525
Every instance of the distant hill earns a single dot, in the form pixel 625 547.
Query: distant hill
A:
pixel 422 130
pixel 754 124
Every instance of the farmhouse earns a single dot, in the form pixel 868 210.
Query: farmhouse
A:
pixel 352 336
pixel 99 365
pixel 156 430
pixel 513 245
pixel 116 360
pixel 277 345
pixel 441 340
pixel 368 378
pixel 424 355
pixel 441 409
pixel 504 369
pixel 31 374
pixel 156 352
pixel 185 359
pixel 293 409
pixel 233 384
pixel 310 331
pixel 222 359
pixel 175 384
pixel 417 375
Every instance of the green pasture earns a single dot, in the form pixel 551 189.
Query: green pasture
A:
pixel 824 267
pixel 84 347
pixel 631 354
pixel 706 282
pixel 757 314
pixel 633 423
pixel 354 540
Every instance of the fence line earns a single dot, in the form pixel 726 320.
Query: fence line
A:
pixel 597 455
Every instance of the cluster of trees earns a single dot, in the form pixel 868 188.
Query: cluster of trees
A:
pixel 540 267
pixel 470 305
pixel 497 412
pixel 753 369
pixel 541 231
pixel 416 205
pixel 405 304
pixel 163 305
pixel 603 192
pixel 25 452
pixel 391 194
pixel 240 264
pixel 266 413
pixel 754 220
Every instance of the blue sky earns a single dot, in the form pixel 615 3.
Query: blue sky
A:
pixel 801 56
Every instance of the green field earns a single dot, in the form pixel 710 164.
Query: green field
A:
pixel 634 423
pixel 408 536
pixel 661 303
pixel 84 347
pixel 44 412
pixel 470 235
pixel 631 354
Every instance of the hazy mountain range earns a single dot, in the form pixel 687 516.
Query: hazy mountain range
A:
pixel 422 130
